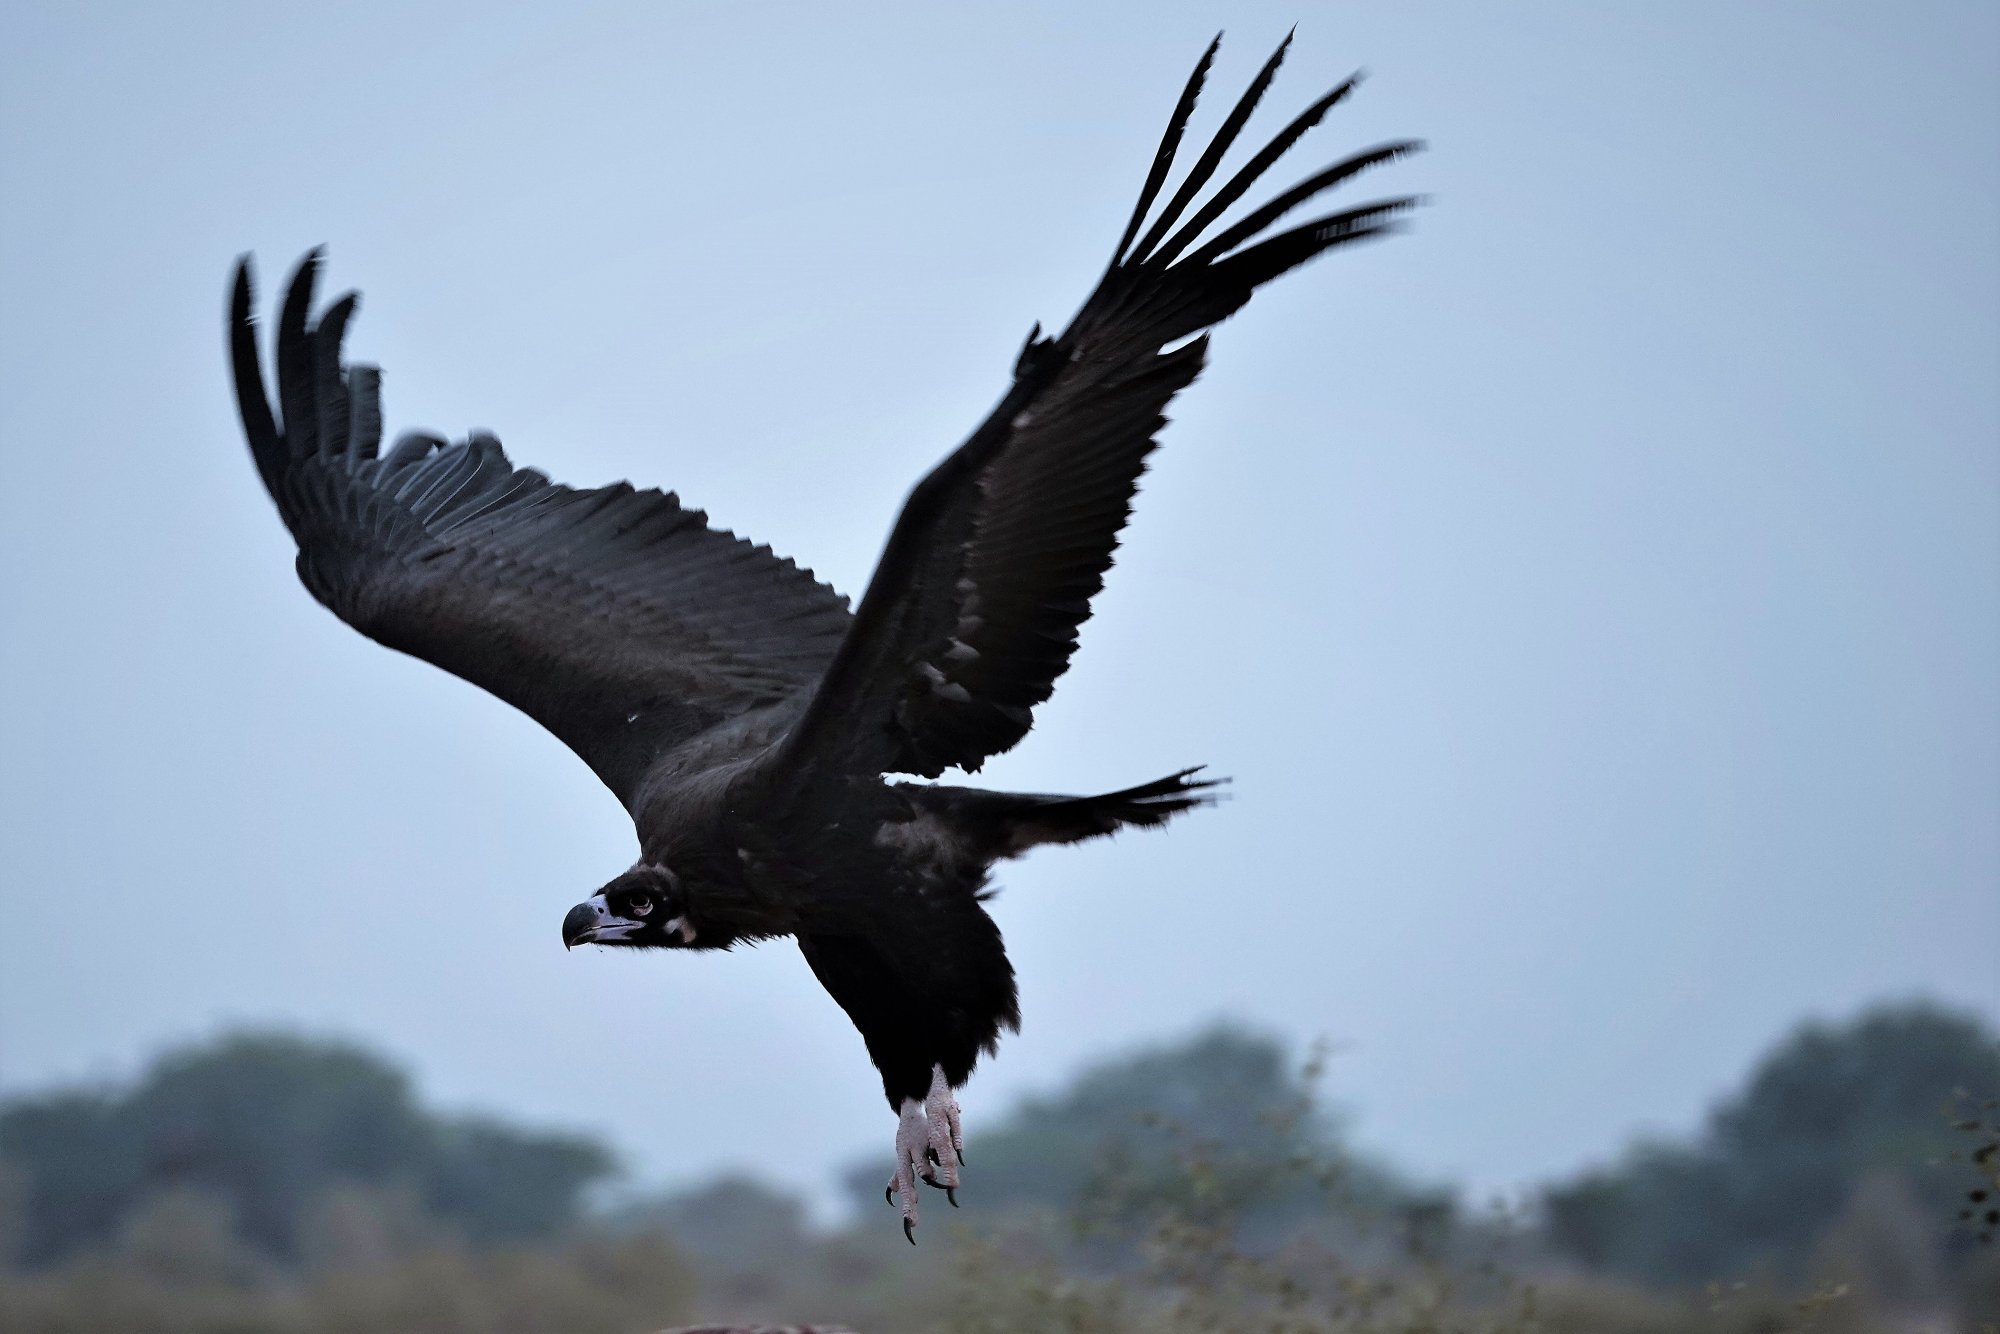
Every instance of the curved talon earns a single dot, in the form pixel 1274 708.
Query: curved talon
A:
pixel 930 1147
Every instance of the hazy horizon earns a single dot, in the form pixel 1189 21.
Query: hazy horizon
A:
pixel 1315 1063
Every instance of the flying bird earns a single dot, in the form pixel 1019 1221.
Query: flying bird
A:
pixel 756 729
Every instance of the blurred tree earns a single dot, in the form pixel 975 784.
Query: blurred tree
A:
pixel 267 1121
pixel 13 1213
pixel 502 1184
pixel 729 1220
pixel 746 1238
pixel 75 1171
pixel 265 1125
pixel 1778 1163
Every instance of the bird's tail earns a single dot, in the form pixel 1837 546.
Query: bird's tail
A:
pixel 1007 824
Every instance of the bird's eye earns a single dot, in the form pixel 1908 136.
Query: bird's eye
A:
pixel 640 906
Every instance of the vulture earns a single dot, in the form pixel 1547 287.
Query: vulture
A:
pixel 762 734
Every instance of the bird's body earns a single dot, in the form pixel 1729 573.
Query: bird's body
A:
pixel 880 882
pixel 749 722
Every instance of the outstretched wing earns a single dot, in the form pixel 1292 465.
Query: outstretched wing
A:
pixel 615 618
pixel 973 611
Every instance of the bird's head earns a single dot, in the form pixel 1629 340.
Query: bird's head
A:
pixel 642 907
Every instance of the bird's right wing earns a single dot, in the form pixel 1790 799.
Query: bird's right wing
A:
pixel 616 618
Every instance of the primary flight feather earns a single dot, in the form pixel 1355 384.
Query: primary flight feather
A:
pixel 743 715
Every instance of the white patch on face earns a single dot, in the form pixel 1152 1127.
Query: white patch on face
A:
pixel 610 926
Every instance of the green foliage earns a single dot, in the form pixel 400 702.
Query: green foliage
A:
pixel 266 1125
pixel 1831 1109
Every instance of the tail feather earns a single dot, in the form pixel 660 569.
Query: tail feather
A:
pixel 1073 819
pixel 1146 805
pixel 1007 824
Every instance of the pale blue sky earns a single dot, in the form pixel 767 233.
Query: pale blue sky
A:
pixel 1595 592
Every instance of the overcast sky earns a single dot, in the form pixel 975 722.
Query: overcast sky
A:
pixel 1594 592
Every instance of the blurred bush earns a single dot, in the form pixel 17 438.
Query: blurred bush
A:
pixel 1842 1127
pixel 589 1285
pixel 265 1125
pixel 279 1185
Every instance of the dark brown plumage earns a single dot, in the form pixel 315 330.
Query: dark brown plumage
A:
pixel 745 719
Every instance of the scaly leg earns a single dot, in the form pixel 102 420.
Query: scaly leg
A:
pixel 930 1147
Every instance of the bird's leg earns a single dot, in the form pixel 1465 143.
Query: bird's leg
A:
pixel 930 1146
pixel 912 1135
pixel 947 1135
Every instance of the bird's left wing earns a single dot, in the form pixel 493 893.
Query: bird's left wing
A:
pixel 973 611
pixel 618 619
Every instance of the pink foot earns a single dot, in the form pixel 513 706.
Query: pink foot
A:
pixel 930 1147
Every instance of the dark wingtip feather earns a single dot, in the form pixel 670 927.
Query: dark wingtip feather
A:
pixel 1269 212
pixel 296 372
pixel 1155 290
pixel 253 405
pixel 1163 157
pixel 330 400
pixel 1211 157
pixel 364 409
pixel 1238 185
pixel 333 324
pixel 306 271
pixel 1250 269
pixel 297 308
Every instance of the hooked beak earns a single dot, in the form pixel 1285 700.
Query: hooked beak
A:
pixel 593 923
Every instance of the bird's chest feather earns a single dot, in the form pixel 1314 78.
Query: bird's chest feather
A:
pixel 927 852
